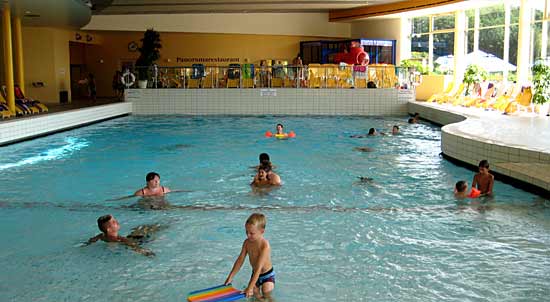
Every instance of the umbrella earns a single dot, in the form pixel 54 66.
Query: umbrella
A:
pixel 487 61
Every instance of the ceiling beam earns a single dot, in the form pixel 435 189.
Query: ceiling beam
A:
pixel 385 9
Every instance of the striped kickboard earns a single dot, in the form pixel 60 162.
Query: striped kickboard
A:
pixel 216 294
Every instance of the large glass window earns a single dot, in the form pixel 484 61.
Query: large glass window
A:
pixel 421 25
pixel 444 22
pixel 491 16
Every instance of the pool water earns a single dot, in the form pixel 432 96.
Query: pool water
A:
pixel 400 237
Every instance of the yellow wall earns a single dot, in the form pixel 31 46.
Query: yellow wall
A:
pixel 290 24
pixel 387 29
pixel 46 59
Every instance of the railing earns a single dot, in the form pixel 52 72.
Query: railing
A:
pixel 283 76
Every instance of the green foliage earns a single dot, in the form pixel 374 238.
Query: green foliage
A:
pixel 474 74
pixel 149 52
pixel 541 82
pixel 416 64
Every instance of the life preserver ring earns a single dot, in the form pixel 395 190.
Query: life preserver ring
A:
pixel 128 79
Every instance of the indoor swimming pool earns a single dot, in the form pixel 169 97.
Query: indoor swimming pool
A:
pixel 400 236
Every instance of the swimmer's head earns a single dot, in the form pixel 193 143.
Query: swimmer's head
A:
pixel 258 220
pixel 264 157
pixel 461 186
pixel 395 129
pixel 483 166
pixel 412 121
pixel 151 176
pixel 153 179
pixel 372 131
pixel 108 224
pixel 280 128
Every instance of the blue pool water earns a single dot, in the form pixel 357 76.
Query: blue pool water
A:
pixel 402 237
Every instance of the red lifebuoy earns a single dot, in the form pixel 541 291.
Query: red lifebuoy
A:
pixel 268 134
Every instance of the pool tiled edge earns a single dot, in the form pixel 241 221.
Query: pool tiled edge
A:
pixel 287 101
pixel 525 163
pixel 26 128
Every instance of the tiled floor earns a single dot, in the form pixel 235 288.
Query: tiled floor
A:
pixel 518 145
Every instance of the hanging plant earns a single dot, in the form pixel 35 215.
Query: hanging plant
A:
pixel 541 82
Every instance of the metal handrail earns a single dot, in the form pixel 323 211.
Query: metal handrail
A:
pixel 249 76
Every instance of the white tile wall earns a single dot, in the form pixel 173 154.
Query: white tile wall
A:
pixel 286 101
pixel 19 129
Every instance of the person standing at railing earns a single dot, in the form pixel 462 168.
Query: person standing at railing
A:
pixel 264 74
pixel 298 68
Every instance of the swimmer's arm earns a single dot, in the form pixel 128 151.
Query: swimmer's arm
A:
pixel 237 266
pixel 474 182
pixel 136 248
pixel 276 180
pixel 120 198
pixel 93 239
pixel 167 190
pixel 490 188
pixel 139 192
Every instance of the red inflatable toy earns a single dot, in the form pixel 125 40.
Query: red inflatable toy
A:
pixel 474 193
pixel 355 56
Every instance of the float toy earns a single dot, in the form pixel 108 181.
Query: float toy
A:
pixel 216 294
pixel 291 134
pixel 474 193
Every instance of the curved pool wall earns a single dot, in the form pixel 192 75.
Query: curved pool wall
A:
pixel 287 101
pixel 517 147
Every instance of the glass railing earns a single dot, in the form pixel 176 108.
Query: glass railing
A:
pixel 248 76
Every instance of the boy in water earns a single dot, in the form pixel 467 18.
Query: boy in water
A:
pixel 483 181
pixel 109 228
pixel 461 189
pixel 266 177
pixel 262 281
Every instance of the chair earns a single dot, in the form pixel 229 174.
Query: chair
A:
pixel 234 76
pixel 522 100
pixel 451 97
pixel 360 76
pixel 314 76
pixel 33 105
pixel 331 75
pixel 437 96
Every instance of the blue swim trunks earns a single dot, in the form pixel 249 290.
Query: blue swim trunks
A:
pixel 268 276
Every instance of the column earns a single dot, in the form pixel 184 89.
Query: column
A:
pixel 506 54
pixel 523 42
pixel 8 60
pixel 19 67
pixel 460 46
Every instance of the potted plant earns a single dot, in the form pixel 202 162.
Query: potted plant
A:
pixel 473 74
pixel 541 83
pixel 148 54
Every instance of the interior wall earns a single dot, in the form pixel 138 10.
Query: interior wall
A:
pixel 46 56
pixel 299 24
pixel 381 28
